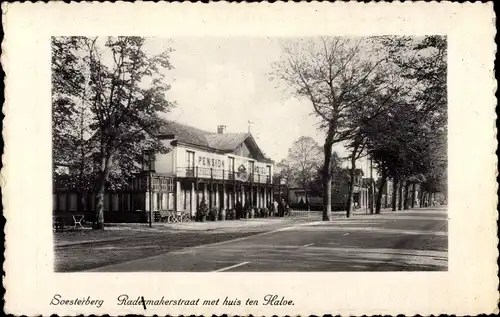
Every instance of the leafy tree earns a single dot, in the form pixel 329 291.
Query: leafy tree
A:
pixel 339 177
pixel 335 75
pixel 71 117
pixel 284 171
pixel 403 142
pixel 304 157
pixel 125 91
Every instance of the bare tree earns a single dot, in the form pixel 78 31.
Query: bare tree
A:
pixel 336 75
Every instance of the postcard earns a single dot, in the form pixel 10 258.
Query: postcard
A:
pixel 264 159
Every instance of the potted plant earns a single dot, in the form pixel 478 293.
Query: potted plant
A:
pixel 202 211
pixel 265 212
pixel 222 214
pixel 213 214
pixel 231 214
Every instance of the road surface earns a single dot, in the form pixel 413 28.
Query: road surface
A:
pixel 413 240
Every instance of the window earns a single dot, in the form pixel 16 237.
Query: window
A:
pixel 170 185
pixel 268 170
pixel 190 159
pixel 159 201
pixel 231 164
pixel 190 163
pixel 148 161
pixel 251 167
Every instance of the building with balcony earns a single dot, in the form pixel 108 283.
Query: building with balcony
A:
pixel 219 167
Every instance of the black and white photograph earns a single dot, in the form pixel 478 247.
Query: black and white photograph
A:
pixel 250 159
pixel 227 154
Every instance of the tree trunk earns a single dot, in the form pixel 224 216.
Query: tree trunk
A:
pixel 413 195
pixel 326 175
pixel 394 193
pixel 350 196
pixel 400 194
pixel 307 202
pixel 406 196
pixel 99 205
pixel 422 193
pixel 327 198
pixel 101 190
pixel 379 194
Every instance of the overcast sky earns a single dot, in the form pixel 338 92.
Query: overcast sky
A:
pixel 226 81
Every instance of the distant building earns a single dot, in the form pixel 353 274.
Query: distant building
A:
pixel 340 192
pixel 387 192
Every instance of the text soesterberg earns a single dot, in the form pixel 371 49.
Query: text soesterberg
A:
pixel 83 301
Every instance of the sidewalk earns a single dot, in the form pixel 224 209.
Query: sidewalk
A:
pixel 233 224
pixel 118 232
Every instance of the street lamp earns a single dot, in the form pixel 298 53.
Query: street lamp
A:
pixel 148 166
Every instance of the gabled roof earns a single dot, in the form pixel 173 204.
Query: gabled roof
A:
pixel 184 133
pixel 226 142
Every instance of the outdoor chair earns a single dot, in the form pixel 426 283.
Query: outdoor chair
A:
pixel 57 224
pixel 161 215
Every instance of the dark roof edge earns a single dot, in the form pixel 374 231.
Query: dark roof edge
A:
pixel 207 148
pixel 264 158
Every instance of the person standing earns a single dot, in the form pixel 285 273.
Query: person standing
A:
pixel 246 208
pixel 238 208
pixel 275 207
pixel 282 208
pixel 286 209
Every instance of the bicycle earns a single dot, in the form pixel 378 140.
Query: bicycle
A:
pixel 185 217
pixel 179 216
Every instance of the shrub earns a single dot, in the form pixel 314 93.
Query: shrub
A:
pixel 213 214
pixel 202 209
pixel 230 214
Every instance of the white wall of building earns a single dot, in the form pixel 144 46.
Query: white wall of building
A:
pixel 165 163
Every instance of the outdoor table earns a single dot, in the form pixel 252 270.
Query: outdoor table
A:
pixel 78 221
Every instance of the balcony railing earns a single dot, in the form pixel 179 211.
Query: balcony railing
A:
pixel 221 174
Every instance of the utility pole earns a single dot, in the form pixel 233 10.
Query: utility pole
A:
pixel 367 203
pixel 150 199
pixel 150 170
pixel 372 190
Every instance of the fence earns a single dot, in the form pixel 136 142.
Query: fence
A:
pixel 296 213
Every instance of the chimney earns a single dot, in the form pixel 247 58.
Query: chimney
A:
pixel 221 129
